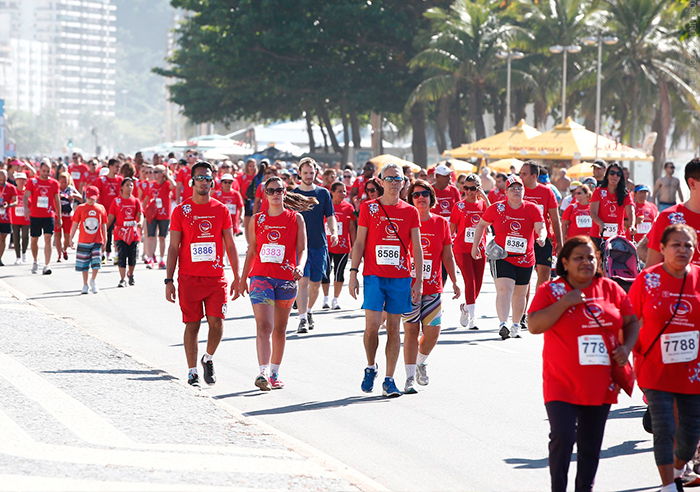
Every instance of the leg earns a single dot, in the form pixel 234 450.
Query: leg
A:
pixel 519 301
pixel 190 341
pixel 303 295
pixel 410 342
pixel 589 438
pixel 94 273
pixel 216 333
pixel 429 339
pixel 688 431
pixel 16 234
pixel 35 248
pixel 504 295
pixel 314 289
pixel 85 277
pixel 326 288
pixel 562 424
pixel 246 221
pixel 279 333
pixel 47 249
pixel 479 267
pixel 393 342
pixel 57 240
pixel 2 245
pixel 371 337
pixel 161 241
pixel 337 289
pixel 25 238
pixel 544 273
pixel 663 423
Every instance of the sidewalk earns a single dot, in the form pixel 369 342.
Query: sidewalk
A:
pixel 77 414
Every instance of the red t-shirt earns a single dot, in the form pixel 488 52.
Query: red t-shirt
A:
pixel 110 188
pixel 446 200
pixel 515 230
pixel 90 219
pixel 80 174
pixel 434 235
pixel 7 193
pixel 359 185
pixel 42 201
pixel 234 203
pixel 92 177
pixel 126 211
pixel 184 177
pixel 544 198
pixel 244 181
pixel 234 185
pixel 201 251
pixel 466 217
pixel 678 214
pixel 610 212
pixel 276 239
pixel 580 221
pixel 260 193
pixel 576 367
pixel 143 188
pixel 17 213
pixel 646 214
pixel 496 195
pixel 385 256
pixel 161 194
pixel 344 213
pixel 672 364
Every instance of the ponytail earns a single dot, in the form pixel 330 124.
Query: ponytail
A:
pixel 294 201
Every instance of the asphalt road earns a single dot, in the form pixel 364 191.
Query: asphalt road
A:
pixel 480 425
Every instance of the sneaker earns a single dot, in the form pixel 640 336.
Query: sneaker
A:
pixel 115 260
pixel 422 374
pixel 59 260
pixel 93 287
pixel 310 319
pixel 690 478
pixel 472 324
pixel 131 279
pixel 65 255
pixel 122 283
pixel 504 332
pixel 24 258
pixel 193 380
pixel 464 318
pixel 368 381
pixel 679 484
pixel 262 382
pixel 294 306
pixel 389 388
pixel 85 289
pixel 150 264
pixel 302 326
pixel 275 381
pixel 35 267
pixel 523 321
pixel 408 388
pixel 46 270
pixel 161 265
pixel 334 304
pixel 326 305
pixel 104 259
pixel 209 375
pixel 515 330
pixel 18 261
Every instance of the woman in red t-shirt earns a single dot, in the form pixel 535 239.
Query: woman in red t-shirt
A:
pixel 610 204
pixel 666 297
pixel 576 312
pixel 576 219
pixel 274 262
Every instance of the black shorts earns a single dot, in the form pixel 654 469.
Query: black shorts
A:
pixel 161 225
pixel 339 262
pixel 543 254
pixel 248 208
pixel 5 228
pixel 39 225
pixel 127 253
pixel 504 269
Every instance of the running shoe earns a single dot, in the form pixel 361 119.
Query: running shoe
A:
pixel 59 260
pixel 275 381
pixel 464 318
pixel 515 330
pixel 46 270
pixel 408 388
pixel 35 267
pixel 262 382
pixel 65 255
pixel 422 374
pixel 472 324
pixel 334 304
pixel 18 261
pixel 193 380
pixel 523 321
pixel 368 381
pixel 690 478
pixel 679 484
pixel 24 258
pixel 104 259
pixel 85 289
pixel 93 287
pixel 326 305
pixel 310 319
pixel 131 279
pixel 161 265
pixel 150 264
pixel 504 332
pixel 302 326
pixel 209 374
pixel 122 283
pixel 115 260
pixel 389 388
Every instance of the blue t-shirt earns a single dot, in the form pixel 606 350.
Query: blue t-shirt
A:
pixel 315 229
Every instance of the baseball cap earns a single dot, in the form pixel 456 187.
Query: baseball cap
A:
pixel 641 188
pixel 91 191
pixel 159 167
pixel 443 170
pixel 574 185
pixel 104 171
pixel 172 161
pixel 599 163
pixel 513 180
pixel 20 175
pixel 227 177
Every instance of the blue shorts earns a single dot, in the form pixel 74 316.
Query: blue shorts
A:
pixel 88 255
pixel 315 267
pixel 392 295
pixel 272 291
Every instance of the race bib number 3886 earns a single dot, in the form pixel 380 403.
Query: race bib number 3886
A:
pixel 203 252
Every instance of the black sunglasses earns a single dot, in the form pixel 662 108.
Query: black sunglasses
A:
pixel 471 188
pixel 417 194
pixel 274 191
pixel 614 173
pixel 371 190
pixel 202 177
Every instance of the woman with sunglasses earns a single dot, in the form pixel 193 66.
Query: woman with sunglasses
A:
pixel 373 190
pixel 466 214
pixel 260 204
pixel 427 312
pixel 576 219
pixel 610 204
pixel 274 262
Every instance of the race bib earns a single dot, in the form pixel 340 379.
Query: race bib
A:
pixel 610 230
pixel 203 252
pixel 75 175
pixel 339 226
pixel 388 255
pixel 19 211
pixel 427 269
pixel 541 207
pixel 42 202
pixel 516 245
pixel 159 203
pixel 584 221
pixel 272 253
pixel 679 347
pixel 231 208
pixel 592 351
pixel 469 234
pixel 644 228
pixel 129 223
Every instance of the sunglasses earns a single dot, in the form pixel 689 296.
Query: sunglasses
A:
pixel 614 173
pixel 393 179
pixel 191 155
pixel 417 194
pixel 471 188
pixel 227 182
pixel 347 176
pixel 371 190
pixel 274 191
pixel 201 177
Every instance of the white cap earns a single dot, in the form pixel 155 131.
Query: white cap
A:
pixel 104 171
pixel 227 177
pixel 20 175
pixel 443 170
pixel 172 161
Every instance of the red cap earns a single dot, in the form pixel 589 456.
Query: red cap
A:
pixel 513 180
pixel 92 191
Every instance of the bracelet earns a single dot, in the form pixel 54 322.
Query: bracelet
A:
pixel 354 270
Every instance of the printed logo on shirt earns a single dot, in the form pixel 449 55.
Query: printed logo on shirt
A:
pixel 613 210
pixel 205 226
pixel 424 243
pixel 91 225
pixel 389 229
pixel 273 235
pixel 444 204
pixel 684 308
pixel 515 226
pixel 594 311
pixel 475 219
pixel 92 213
pixel 186 208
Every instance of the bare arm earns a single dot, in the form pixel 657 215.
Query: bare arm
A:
pixel 657 187
pixel 333 229
pixel 358 251
pixel 565 228
pixel 630 333
pixel 173 251
pixel 448 261
pixel 230 246
pixel 653 257
pixel 629 211
pixel 595 207
pixel 478 234
pixel 556 224
pixel 57 204
pixel 417 288
pixel 542 320
pixel 302 252
pixel 25 202
pixel 680 192
pixel 250 254
pixel 353 231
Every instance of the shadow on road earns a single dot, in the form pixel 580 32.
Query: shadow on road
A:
pixel 149 375
pixel 318 405
pixel 625 449
pixel 252 392
pixel 628 413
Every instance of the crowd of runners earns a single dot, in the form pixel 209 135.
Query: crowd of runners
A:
pixel 404 233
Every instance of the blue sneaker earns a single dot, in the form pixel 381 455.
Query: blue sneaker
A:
pixel 389 388
pixel 368 382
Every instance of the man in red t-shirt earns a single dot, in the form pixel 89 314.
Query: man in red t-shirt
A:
pixel 109 187
pixel 232 199
pixel 200 231
pixel 498 192
pixel 645 211
pixel 80 173
pixel 42 205
pixel 357 189
pixel 91 218
pixel 8 200
pixel 447 194
pixel 158 199
pixel 183 191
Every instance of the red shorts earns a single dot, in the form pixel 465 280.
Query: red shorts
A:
pixel 66 225
pixel 198 294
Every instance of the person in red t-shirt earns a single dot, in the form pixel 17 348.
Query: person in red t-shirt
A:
pixel 516 224
pixel 576 219
pixel 20 223
pixel 125 214
pixel 498 192
pixel 91 218
pixel 463 221
pixel 157 211
pixel 387 228
pixel 338 254
pixel 200 233
pixel 645 211
pixel 232 199
pixel 244 179
pixel 446 193
pixel 43 207
pixel 8 201
pixel 274 263
pixel 666 297
pixel 577 313
pixel 183 190
pixel 358 186
pixel 436 242
pixel 610 204
pixel 110 188
pixel 260 204
pixel 79 173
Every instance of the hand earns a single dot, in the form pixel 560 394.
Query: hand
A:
pixel 541 241
pixel 26 212
pixel 233 291
pixel 297 273
pixel 354 285
pixel 334 240
pixel 241 288
pixel 633 230
pixel 558 249
pixel 476 253
pixel 574 297
pixel 416 292
pixel 170 292
pixel 621 355
pixel 457 290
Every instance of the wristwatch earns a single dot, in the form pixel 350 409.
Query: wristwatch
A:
pixel 168 281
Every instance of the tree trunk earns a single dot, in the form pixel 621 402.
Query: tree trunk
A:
pixel 498 108
pixel 323 113
pixel 310 130
pixel 456 129
pixel 323 132
pixel 346 135
pixel 661 125
pixel 419 145
pixel 355 122
pixel 478 102
pixel 441 124
pixel 635 115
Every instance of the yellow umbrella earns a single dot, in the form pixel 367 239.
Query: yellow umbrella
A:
pixel 459 167
pixel 496 146
pixel 504 165
pixel 380 160
pixel 582 170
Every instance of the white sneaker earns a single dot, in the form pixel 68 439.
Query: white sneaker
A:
pixel 409 388
pixel 46 270
pixel 18 261
pixel 93 287
pixel 464 318
pixel 334 304
pixel 85 289
pixel 472 324
pixel 515 330
pixel 35 267
pixel 24 258
pixel 422 375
